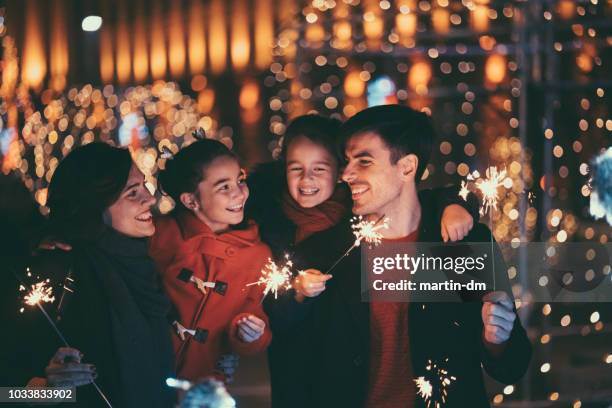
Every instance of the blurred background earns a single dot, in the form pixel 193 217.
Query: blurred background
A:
pixel 521 85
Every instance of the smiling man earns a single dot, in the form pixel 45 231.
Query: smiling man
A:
pixel 377 354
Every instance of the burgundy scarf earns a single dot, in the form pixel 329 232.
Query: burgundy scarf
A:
pixel 315 219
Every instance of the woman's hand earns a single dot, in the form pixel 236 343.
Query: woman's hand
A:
pixel 66 370
pixel 456 223
pixel 250 328
pixel 310 283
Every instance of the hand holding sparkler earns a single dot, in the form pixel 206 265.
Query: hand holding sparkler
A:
pixel 66 364
pixel 498 317
pixel 66 370
pixel 310 283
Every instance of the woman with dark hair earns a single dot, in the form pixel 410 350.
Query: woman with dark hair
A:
pixel 300 195
pixel 113 309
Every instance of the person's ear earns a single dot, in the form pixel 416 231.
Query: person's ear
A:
pixel 407 166
pixel 190 201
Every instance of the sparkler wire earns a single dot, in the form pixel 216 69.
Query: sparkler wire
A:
pixel 355 245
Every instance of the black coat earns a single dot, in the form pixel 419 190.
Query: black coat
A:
pixel 267 183
pixel 287 378
pixel 333 330
pixel 116 315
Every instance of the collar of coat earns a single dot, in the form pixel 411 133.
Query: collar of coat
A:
pixel 198 233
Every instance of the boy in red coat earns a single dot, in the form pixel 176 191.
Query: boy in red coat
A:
pixel 207 255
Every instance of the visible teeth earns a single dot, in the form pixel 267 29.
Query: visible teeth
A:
pixel 309 190
pixel 359 190
pixel 235 207
pixel 144 217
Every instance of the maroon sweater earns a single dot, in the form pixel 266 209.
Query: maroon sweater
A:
pixel 391 382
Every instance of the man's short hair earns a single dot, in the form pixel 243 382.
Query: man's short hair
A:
pixel 404 131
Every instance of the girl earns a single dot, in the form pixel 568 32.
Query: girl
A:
pixel 208 255
pixel 299 195
pixel 114 311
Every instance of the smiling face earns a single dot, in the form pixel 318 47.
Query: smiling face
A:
pixel 221 195
pixel 375 182
pixel 131 213
pixel 312 172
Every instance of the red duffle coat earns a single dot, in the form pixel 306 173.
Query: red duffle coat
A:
pixel 183 247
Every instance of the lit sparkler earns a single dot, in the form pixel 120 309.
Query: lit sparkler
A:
pixel 424 388
pixel 434 390
pixel 464 191
pixel 368 231
pixel 364 230
pixel 42 292
pixel 488 188
pixel 275 277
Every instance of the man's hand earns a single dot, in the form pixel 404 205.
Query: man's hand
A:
pixel 227 365
pixel 456 223
pixel 66 370
pixel 250 328
pixel 498 317
pixel 310 283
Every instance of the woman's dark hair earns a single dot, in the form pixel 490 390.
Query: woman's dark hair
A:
pixel 316 128
pixel 86 182
pixel 403 129
pixel 185 171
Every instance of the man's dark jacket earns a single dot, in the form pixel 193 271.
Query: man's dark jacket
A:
pixel 335 329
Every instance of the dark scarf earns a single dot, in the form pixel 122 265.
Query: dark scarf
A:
pixel 137 309
pixel 315 219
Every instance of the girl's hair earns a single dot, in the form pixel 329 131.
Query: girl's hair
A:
pixel 316 128
pixel 185 171
pixel 85 184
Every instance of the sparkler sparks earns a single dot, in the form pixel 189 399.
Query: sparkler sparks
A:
pixel 531 198
pixel 40 292
pixel 463 193
pixel 424 388
pixel 275 277
pixel 364 230
pixel 434 390
pixel 368 231
pixel 488 187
